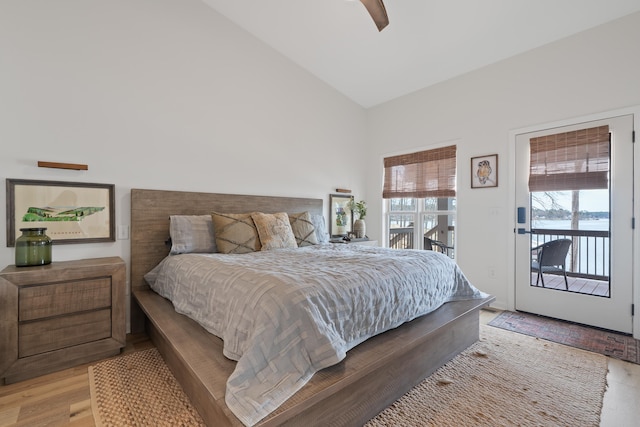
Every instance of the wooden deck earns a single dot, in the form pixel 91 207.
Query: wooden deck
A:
pixel 576 284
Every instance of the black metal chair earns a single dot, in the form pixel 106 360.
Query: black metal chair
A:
pixel 551 257
pixel 436 245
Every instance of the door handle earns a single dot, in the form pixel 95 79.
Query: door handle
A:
pixel 523 231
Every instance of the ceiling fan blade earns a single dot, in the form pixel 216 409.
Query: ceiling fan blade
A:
pixel 378 12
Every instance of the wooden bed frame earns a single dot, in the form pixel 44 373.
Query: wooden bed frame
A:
pixel 374 374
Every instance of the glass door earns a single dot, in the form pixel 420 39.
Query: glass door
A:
pixel 574 230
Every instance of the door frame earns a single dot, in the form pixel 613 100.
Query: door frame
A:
pixel 511 151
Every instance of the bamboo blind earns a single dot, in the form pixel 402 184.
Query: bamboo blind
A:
pixel 430 173
pixel 577 160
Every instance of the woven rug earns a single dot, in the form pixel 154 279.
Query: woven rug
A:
pixel 504 379
pixel 138 389
pixel 613 344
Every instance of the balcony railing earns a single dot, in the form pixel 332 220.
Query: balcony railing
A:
pixel 589 254
pixel 588 257
pixel 402 238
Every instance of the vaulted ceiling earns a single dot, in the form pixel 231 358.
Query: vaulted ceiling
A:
pixel 426 42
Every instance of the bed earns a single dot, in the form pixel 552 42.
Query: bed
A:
pixel 373 374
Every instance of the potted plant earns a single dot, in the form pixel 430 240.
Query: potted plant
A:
pixel 359 209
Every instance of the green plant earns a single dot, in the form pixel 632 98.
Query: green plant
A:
pixel 358 208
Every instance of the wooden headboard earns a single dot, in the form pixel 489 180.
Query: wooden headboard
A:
pixel 150 210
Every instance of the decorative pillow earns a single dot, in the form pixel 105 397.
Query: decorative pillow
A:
pixel 321 228
pixel 303 229
pixel 274 230
pixel 191 234
pixel 235 233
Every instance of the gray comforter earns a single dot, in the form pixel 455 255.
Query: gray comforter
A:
pixel 286 314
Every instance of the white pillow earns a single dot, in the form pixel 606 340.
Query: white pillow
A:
pixel 321 228
pixel 192 234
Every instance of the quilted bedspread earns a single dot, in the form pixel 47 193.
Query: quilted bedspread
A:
pixel 286 314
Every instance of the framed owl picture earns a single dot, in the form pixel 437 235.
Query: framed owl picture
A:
pixel 484 171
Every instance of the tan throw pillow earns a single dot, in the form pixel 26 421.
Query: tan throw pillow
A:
pixel 274 231
pixel 235 233
pixel 303 229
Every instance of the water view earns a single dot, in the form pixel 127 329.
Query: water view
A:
pixel 565 224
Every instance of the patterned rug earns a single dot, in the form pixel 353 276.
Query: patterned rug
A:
pixel 502 380
pixel 612 344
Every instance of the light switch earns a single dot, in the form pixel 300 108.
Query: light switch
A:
pixel 123 232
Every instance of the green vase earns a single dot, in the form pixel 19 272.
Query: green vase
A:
pixel 33 247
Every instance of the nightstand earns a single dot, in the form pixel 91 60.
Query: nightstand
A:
pixel 60 315
pixel 363 242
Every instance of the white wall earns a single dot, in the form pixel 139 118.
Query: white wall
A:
pixel 169 94
pixel 591 72
pixel 163 94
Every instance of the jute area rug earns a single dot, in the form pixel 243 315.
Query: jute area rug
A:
pixel 505 379
pixel 612 344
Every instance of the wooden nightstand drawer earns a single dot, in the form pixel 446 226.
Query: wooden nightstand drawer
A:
pixel 60 315
pixel 61 332
pixel 38 302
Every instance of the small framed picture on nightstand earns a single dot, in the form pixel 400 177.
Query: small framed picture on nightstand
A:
pixel 341 215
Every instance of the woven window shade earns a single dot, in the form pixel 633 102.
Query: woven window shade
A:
pixel 430 173
pixel 577 160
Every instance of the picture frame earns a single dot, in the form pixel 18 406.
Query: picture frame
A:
pixel 340 214
pixel 72 212
pixel 484 171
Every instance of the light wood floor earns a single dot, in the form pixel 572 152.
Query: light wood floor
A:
pixel 58 399
pixel 63 398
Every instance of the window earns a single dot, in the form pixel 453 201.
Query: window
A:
pixel 435 219
pixel 419 189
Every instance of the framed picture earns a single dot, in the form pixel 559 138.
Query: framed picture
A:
pixel 484 171
pixel 341 215
pixel 71 212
